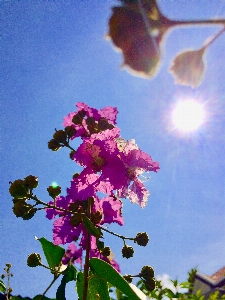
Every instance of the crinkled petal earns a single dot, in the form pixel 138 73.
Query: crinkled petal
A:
pixel 64 232
pixel 109 113
pixel 114 172
pixel 91 112
pixel 105 187
pixel 84 185
pixel 112 211
pixel 138 193
pixel 72 253
pixel 137 158
pixel 61 202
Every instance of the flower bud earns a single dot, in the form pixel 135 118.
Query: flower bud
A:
pixel 23 210
pixel 76 175
pixel 100 244
pixel 127 251
pixel 60 136
pixel 75 220
pixel 96 217
pixel 91 125
pixel 128 278
pixel 147 272
pixel 78 118
pixel 150 284
pixel 54 191
pixel 72 154
pixel 70 131
pixel 103 124
pixel 106 251
pixel 53 145
pixel 17 189
pixel 141 239
pixel 31 182
pixel 34 260
pixel 90 121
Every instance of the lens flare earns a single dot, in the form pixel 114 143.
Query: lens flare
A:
pixel 54 184
pixel 188 115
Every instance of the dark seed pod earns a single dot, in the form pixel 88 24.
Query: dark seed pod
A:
pixel 31 182
pixel 106 251
pixel 54 191
pixel 17 189
pixel 127 251
pixel 147 272
pixel 150 284
pixel 128 278
pixel 34 260
pixel 141 239
pixel 70 131
pixel 60 136
pixel 53 145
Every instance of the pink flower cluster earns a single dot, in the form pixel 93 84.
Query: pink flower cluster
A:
pixel 111 166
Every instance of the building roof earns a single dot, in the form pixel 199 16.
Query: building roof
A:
pixel 215 278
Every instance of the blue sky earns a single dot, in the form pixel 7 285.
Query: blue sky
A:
pixel 54 54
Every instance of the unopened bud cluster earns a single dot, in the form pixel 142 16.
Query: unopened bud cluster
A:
pixel 61 138
pixel 147 275
pixel 93 125
pixel 21 190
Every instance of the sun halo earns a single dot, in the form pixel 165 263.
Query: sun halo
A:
pixel 187 116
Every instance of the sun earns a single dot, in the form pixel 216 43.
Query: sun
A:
pixel 188 115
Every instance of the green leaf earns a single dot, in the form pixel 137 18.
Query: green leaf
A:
pixel 69 275
pixel 98 288
pixel 107 272
pixel 2 286
pixel 52 252
pixel 42 298
pixel 184 285
pixel 169 293
pixel 91 228
pixel 80 284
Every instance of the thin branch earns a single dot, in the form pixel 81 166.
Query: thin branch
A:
pixel 116 234
pixel 194 22
pixel 55 278
pixel 55 207
pixel 210 40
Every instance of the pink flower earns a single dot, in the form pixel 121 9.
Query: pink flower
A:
pixel 110 165
pixel 112 211
pixel 72 253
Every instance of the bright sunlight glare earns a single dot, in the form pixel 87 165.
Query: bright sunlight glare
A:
pixel 188 115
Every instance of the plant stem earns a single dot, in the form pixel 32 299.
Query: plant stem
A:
pixel 116 234
pixel 55 278
pixel 55 207
pixel 87 257
pixel 194 22
pixel 210 40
